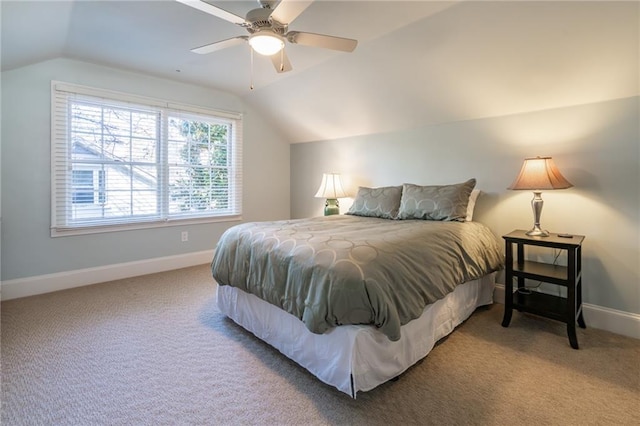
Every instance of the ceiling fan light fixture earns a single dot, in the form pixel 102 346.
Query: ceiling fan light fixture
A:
pixel 266 43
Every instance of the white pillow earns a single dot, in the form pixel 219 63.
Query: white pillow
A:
pixel 472 204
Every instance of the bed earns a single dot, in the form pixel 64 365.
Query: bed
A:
pixel 357 299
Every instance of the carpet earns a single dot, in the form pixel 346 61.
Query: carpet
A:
pixel 155 350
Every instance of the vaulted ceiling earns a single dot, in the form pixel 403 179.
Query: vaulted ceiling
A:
pixel 417 62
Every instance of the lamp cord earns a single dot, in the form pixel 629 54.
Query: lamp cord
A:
pixel 527 289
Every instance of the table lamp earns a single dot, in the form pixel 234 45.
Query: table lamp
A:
pixel 331 189
pixel 537 174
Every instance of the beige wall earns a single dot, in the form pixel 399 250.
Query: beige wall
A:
pixel 594 145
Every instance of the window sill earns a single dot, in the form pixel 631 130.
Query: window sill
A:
pixel 68 232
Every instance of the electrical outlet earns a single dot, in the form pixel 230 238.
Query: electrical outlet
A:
pixel 185 236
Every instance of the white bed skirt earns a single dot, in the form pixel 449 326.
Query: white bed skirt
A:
pixel 355 358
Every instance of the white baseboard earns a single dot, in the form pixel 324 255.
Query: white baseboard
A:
pixel 30 286
pixel 595 316
pixel 619 322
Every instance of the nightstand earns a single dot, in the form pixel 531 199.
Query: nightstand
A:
pixel 567 310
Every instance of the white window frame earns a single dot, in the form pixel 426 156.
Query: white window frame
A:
pixel 62 94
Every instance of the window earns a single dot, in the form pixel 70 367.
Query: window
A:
pixel 121 161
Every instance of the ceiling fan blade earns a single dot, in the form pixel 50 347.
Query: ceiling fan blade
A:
pixel 281 61
pixel 288 10
pixel 219 45
pixel 321 40
pixel 215 11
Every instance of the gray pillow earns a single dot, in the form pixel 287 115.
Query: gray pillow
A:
pixel 382 202
pixel 438 202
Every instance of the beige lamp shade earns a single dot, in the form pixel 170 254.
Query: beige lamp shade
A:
pixel 540 173
pixel 331 187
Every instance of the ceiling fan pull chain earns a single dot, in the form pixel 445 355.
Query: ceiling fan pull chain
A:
pixel 282 60
pixel 251 85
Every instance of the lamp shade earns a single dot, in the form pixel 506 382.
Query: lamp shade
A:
pixel 331 187
pixel 540 173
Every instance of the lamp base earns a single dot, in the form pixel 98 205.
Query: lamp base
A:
pixel 331 207
pixel 536 206
pixel 537 232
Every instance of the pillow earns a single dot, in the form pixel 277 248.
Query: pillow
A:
pixel 382 202
pixel 472 204
pixel 442 202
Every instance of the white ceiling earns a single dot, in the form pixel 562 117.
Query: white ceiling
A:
pixel 417 62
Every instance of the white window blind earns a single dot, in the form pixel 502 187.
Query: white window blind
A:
pixel 121 161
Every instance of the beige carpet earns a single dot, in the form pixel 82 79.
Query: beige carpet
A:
pixel 156 351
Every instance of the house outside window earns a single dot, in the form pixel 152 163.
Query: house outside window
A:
pixel 88 187
pixel 122 162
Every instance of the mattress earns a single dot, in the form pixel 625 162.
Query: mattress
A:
pixel 355 358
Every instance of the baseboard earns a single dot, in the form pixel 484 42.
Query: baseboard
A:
pixel 30 286
pixel 619 322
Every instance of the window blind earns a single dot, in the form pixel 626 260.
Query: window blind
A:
pixel 124 161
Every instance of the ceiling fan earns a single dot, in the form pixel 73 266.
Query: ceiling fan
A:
pixel 268 29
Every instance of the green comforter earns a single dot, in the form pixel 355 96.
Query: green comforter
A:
pixel 336 270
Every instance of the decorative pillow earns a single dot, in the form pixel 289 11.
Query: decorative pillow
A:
pixel 472 204
pixel 442 202
pixel 382 202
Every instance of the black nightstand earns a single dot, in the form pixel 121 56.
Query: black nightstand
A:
pixel 567 310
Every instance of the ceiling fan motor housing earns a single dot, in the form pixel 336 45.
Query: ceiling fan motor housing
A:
pixel 260 19
pixel 268 4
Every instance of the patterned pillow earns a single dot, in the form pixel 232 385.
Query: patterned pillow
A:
pixel 443 202
pixel 382 202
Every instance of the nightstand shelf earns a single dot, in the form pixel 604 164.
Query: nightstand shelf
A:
pixel 566 309
pixel 545 305
pixel 546 272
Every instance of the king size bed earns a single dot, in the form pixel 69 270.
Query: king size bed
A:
pixel 357 299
